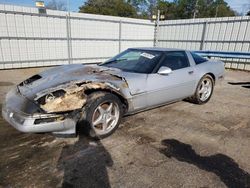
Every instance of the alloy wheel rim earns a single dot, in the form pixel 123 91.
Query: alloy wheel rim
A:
pixel 105 117
pixel 205 89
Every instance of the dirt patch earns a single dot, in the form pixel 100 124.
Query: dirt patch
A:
pixel 144 139
pixel 6 83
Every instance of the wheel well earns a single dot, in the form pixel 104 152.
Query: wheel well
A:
pixel 212 75
pixel 122 99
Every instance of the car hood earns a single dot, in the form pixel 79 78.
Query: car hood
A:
pixel 77 73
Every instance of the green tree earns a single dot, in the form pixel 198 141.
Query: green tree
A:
pixel 109 7
pixel 214 8
pixel 140 5
pixel 220 8
pixel 184 8
pixel 248 14
pixel 168 9
pixel 176 9
pixel 203 8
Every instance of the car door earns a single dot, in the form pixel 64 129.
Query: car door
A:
pixel 178 84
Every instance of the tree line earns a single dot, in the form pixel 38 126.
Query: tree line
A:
pixel 177 9
pixel 145 9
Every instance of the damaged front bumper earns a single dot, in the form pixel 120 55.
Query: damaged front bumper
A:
pixel 16 109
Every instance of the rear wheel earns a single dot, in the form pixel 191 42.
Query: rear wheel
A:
pixel 204 90
pixel 103 114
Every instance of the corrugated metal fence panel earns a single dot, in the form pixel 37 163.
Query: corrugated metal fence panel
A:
pixel 223 34
pixel 218 34
pixel 93 38
pixel 29 39
pixel 137 35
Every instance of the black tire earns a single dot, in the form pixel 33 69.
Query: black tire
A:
pixel 196 98
pixel 96 99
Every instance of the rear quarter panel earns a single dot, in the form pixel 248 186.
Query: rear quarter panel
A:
pixel 214 67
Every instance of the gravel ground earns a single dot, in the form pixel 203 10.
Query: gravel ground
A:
pixel 179 145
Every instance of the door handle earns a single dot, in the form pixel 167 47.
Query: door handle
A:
pixel 190 72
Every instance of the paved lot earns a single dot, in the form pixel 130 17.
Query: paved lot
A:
pixel 180 145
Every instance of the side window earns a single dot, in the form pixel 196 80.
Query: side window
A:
pixel 175 60
pixel 198 59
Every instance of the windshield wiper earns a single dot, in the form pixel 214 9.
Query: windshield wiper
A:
pixel 115 61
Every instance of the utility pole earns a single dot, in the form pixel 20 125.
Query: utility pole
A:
pixel 216 11
pixel 195 8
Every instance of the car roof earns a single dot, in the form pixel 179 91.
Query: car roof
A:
pixel 157 49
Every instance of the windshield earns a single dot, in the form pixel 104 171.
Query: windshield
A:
pixel 133 60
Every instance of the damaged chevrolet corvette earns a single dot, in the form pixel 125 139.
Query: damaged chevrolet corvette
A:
pixel 96 96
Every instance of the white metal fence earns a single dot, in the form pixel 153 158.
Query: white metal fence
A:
pixel 29 39
pixel 216 34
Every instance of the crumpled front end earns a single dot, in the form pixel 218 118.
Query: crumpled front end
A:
pixel 26 116
pixel 51 102
pixel 69 96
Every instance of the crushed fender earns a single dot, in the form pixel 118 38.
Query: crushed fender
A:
pixel 70 96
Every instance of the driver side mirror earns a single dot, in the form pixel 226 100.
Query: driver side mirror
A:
pixel 164 70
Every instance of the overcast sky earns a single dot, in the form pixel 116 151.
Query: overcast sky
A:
pixel 241 6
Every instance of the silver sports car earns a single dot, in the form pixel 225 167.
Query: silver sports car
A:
pixel 96 96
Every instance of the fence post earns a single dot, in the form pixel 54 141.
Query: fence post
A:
pixel 68 38
pixel 203 35
pixel 120 35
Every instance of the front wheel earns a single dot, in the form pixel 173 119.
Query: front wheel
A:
pixel 103 114
pixel 204 90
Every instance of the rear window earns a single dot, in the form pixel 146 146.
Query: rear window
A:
pixel 198 59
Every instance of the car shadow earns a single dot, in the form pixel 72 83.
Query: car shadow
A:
pixel 243 84
pixel 223 166
pixel 85 163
